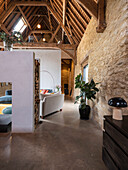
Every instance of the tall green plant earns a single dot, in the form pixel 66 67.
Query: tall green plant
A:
pixel 87 90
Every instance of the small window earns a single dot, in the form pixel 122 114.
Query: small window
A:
pixel 85 73
pixel 20 26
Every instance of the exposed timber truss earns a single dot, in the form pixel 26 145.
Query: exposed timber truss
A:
pixel 62 21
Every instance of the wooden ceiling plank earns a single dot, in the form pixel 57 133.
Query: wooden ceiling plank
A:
pixel 46 23
pixel 10 25
pixel 75 25
pixel 70 30
pixel 77 38
pixel 58 7
pixel 28 11
pixel 14 20
pixel 55 10
pixel 69 26
pixel 32 18
pixel 82 11
pixel 76 20
pixel 9 19
pixel 6 13
pixel 53 36
pixel 60 4
pixel 78 14
pixel 59 21
pixel 59 11
pixel 90 6
pixel 73 37
pixel 75 30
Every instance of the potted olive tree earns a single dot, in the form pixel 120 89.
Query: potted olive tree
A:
pixel 87 91
pixel 10 39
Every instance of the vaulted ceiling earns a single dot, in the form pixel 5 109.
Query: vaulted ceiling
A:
pixel 63 21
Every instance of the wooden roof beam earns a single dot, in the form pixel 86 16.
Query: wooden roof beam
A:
pixel 64 14
pixel 30 3
pixel 41 32
pixel 27 21
pixel 90 6
pixel 6 13
pixel 59 21
pixel 101 16
pixel 4 29
pixel 70 30
pixel 75 26
pixel 74 58
pixel 77 35
pixel 76 20
pixel 83 21
pixel 77 38
pixel 42 45
pixel 53 36
pixel 10 25
pixel 60 4
pixel 87 18
pixel 49 18
pixel 58 10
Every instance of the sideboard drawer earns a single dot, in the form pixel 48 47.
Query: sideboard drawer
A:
pixel 108 160
pixel 116 136
pixel 115 152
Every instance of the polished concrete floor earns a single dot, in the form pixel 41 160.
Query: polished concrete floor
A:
pixel 61 142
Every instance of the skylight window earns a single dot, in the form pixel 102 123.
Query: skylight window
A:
pixel 20 26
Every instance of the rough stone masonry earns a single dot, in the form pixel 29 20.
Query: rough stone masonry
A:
pixel 107 57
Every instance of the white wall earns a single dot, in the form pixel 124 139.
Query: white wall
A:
pixel 50 68
pixel 18 68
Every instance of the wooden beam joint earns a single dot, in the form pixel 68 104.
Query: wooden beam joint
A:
pixel 101 16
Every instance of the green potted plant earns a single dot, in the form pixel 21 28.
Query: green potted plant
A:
pixel 87 91
pixel 10 39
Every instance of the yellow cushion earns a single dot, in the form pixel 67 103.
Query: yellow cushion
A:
pixel 3 106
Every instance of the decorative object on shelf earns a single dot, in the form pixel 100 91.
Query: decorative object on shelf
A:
pixel 58 88
pixel 87 91
pixel 10 39
pixel 117 103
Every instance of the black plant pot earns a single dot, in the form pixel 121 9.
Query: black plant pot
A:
pixel 84 113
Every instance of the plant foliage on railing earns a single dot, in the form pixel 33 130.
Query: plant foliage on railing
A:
pixel 12 38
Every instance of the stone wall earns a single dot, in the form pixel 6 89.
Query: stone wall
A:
pixel 107 57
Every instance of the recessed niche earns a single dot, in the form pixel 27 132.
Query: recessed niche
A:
pixel 5 106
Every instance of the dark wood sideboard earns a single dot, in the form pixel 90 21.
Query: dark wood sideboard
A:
pixel 115 143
